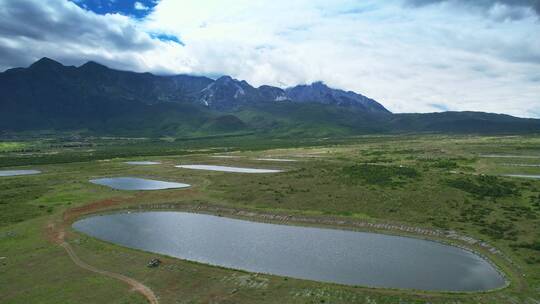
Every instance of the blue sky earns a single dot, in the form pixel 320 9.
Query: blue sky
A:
pixel 410 55
pixel 133 9
pixel 136 9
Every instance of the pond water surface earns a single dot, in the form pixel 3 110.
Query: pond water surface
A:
pixel 143 163
pixel 522 165
pixel 508 156
pixel 228 169
pixel 133 183
pixel 276 159
pixel 524 175
pixel 327 255
pixel 18 172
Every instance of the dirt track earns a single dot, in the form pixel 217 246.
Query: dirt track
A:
pixel 136 285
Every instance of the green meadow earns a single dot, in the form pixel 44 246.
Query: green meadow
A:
pixel 432 182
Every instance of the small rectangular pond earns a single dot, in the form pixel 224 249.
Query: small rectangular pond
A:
pixel 143 163
pixel 276 159
pixel 228 169
pixel 534 176
pixel 5 173
pixel 327 255
pixel 508 156
pixel 522 165
pixel 133 183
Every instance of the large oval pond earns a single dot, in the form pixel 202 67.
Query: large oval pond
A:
pixel 328 255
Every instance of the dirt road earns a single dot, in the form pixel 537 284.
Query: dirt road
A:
pixel 136 285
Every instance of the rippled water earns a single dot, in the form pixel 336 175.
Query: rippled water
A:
pixel 133 183
pixel 228 169
pixel 346 257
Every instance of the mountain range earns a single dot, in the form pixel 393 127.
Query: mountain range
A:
pixel 93 97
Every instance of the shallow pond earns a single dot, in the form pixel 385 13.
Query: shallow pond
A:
pixel 143 163
pixel 276 159
pixel 133 183
pixel 535 176
pixel 328 255
pixel 228 169
pixel 508 156
pixel 522 165
pixel 18 172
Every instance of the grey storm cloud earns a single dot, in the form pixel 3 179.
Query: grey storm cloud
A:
pixel 30 29
pixel 486 4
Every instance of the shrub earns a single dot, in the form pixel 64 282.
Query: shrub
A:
pixel 445 164
pixel 532 246
pixel 500 230
pixel 484 186
pixel 379 175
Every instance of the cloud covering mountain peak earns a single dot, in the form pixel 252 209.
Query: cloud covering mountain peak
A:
pixel 463 55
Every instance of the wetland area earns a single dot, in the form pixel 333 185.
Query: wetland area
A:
pixel 370 220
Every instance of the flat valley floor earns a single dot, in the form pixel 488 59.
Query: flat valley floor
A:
pixel 448 188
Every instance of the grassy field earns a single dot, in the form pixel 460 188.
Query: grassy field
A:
pixel 429 181
pixel 11 146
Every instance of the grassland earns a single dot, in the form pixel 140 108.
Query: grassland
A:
pixel 432 182
pixel 11 146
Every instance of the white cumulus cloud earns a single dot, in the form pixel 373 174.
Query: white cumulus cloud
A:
pixel 410 59
pixel 139 6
